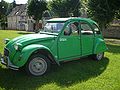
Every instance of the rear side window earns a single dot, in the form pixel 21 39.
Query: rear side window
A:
pixel 96 29
pixel 86 29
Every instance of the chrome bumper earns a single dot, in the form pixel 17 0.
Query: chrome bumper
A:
pixel 8 64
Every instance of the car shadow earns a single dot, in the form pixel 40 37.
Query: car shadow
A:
pixel 65 75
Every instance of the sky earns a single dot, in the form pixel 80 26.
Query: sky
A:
pixel 18 1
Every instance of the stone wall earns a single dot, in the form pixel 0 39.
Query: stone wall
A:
pixel 112 32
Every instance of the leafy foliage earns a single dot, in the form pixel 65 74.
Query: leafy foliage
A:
pixel 64 8
pixel 3 13
pixel 117 15
pixel 11 6
pixel 3 8
pixel 36 8
pixel 103 11
pixel 14 4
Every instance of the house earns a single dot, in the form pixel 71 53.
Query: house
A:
pixel 18 19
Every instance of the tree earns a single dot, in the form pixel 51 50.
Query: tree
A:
pixel 11 6
pixel 3 7
pixel 36 9
pixel 75 6
pixel 117 15
pixel 3 13
pixel 103 11
pixel 84 8
pixel 117 7
pixel 64 8
pixel 14 4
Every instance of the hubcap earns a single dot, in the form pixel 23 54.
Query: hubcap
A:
pixel 37 66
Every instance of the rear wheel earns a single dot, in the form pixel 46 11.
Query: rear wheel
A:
pixel 98 56
pixel 38 65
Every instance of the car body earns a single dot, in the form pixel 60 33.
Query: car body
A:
pixel 62 39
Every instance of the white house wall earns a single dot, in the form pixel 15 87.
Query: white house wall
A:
pixel 12 22
pixel 20 23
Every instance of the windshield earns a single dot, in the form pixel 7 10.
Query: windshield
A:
pixel 53 27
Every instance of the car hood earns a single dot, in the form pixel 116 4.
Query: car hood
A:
pixel 31 38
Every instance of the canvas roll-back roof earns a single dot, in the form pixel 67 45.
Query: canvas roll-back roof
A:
pixel 58 19
pixel 71 18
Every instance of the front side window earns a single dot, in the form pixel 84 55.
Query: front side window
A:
pixel 53 27
pixel 72 29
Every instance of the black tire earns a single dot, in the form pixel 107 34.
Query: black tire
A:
pixel 37 65
pixel 98 56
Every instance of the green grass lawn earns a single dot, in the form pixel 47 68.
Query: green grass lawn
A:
pixel 83 74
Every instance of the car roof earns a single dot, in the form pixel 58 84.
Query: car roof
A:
pixel 71 18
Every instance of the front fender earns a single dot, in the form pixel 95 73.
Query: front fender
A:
pixel 27 51
pixel 100 46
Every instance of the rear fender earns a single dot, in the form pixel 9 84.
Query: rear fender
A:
pixel 100 46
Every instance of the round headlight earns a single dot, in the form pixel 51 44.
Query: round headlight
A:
pixel 6 40
pixel 16 47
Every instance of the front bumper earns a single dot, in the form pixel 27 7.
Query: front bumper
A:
pixel 6 61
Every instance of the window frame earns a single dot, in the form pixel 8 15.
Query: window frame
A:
pixel 89 26
pixel 78 28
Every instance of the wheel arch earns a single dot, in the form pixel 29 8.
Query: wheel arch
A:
pixel 29 50
pixel 46 53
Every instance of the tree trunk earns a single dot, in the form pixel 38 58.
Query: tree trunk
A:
pixel 36 26
pixel 102 26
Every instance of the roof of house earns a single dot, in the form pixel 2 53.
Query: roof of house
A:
pixel 19 10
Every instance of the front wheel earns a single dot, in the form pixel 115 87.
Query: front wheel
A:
pixel 98 56
pixel 37 65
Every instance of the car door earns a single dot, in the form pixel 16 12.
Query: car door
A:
pixel 69 42
pixel 87 38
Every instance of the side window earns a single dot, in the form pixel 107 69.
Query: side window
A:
pixel 96 29
pixel 72 29
pixel 86 29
